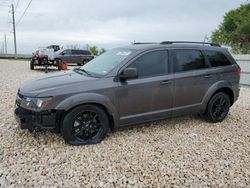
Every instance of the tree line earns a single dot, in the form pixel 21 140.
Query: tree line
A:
pixel 234 31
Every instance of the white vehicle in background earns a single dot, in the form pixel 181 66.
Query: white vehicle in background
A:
pixel 45 56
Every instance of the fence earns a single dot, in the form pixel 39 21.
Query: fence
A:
pixel 12 56
pixel 244 62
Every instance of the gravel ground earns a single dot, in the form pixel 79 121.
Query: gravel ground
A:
pixel 178 152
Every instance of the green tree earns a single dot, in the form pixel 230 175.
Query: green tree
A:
pixel 235 30
pixel 94 50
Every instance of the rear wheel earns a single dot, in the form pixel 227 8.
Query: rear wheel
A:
pixel 217 108
pixel 32 62
pixel 86 124
pixel 85 61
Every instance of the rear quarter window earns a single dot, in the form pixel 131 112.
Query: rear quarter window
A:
pixel 86 52
pixel 217 59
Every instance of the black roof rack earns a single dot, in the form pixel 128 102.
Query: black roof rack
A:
pixel 189 42
pixel 135 43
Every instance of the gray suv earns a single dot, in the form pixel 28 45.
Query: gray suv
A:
pixel 131 85
pixel 74 56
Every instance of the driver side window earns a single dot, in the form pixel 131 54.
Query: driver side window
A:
pixel 151 64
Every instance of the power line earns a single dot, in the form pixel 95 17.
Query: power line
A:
pixel 17 4
pixel 24 13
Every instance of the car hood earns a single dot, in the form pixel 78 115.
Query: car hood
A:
pixel 51 82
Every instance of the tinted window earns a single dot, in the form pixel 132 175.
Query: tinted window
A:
pixel 186 60
pixel 80 52
pixel 151 64
pixel 67 52
pixel 217 59
pixel 86 52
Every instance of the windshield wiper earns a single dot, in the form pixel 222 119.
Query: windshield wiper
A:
pixel 82 70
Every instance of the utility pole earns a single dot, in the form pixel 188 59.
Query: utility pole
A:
pixel 14 29
pixel 5 43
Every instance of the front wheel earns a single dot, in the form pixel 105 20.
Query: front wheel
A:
pixel 217 108
pixel 86 124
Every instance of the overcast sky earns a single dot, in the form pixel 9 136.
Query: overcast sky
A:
pixel 111 23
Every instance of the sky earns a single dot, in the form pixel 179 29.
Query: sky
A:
pixel 109 23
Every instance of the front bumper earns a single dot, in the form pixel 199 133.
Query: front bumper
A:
pixel 32 120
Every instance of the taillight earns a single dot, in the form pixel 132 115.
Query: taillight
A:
pixel 238 70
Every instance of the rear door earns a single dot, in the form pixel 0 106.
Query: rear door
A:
pixel 76 57
pixel 87 55
pixel 192 79
pixel 150 95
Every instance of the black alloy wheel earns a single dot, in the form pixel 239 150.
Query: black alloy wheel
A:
pixel 218 108
pixel 87 124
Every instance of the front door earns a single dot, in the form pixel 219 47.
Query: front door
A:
pixel 66 56
pixel 150 95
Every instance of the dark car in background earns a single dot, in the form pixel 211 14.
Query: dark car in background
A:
pixel 74 56
pixel 131 85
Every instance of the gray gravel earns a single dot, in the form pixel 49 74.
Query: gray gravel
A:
pixel 177 152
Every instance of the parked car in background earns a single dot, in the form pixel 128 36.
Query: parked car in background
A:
pixel 131 85
pixel 45 56
pixel 74 56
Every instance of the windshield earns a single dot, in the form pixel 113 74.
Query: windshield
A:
pixel 59 51
pixel 104 63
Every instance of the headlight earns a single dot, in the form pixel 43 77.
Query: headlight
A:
pixel 35 103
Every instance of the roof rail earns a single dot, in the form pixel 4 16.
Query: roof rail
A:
pixel 135 43
pixel 189 42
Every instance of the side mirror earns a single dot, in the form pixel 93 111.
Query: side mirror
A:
pixel 62 53
pixel 128 73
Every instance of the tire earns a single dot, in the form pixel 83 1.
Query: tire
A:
pixel 59 64
pixel 217 108
pixel 46 69
pixel 85 61
pixel 32 66
pixel 86 124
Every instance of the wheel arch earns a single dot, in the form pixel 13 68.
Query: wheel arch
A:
pixel 222 86
pixel 228 91
pixel 91 99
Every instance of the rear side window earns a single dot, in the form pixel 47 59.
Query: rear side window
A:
pixel 186 60
pixel 151 64
pixel 86 52
pixel 217 59
pixel 81 52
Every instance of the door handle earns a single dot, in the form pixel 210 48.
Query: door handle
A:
pixel 208 76
pixel 164 82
